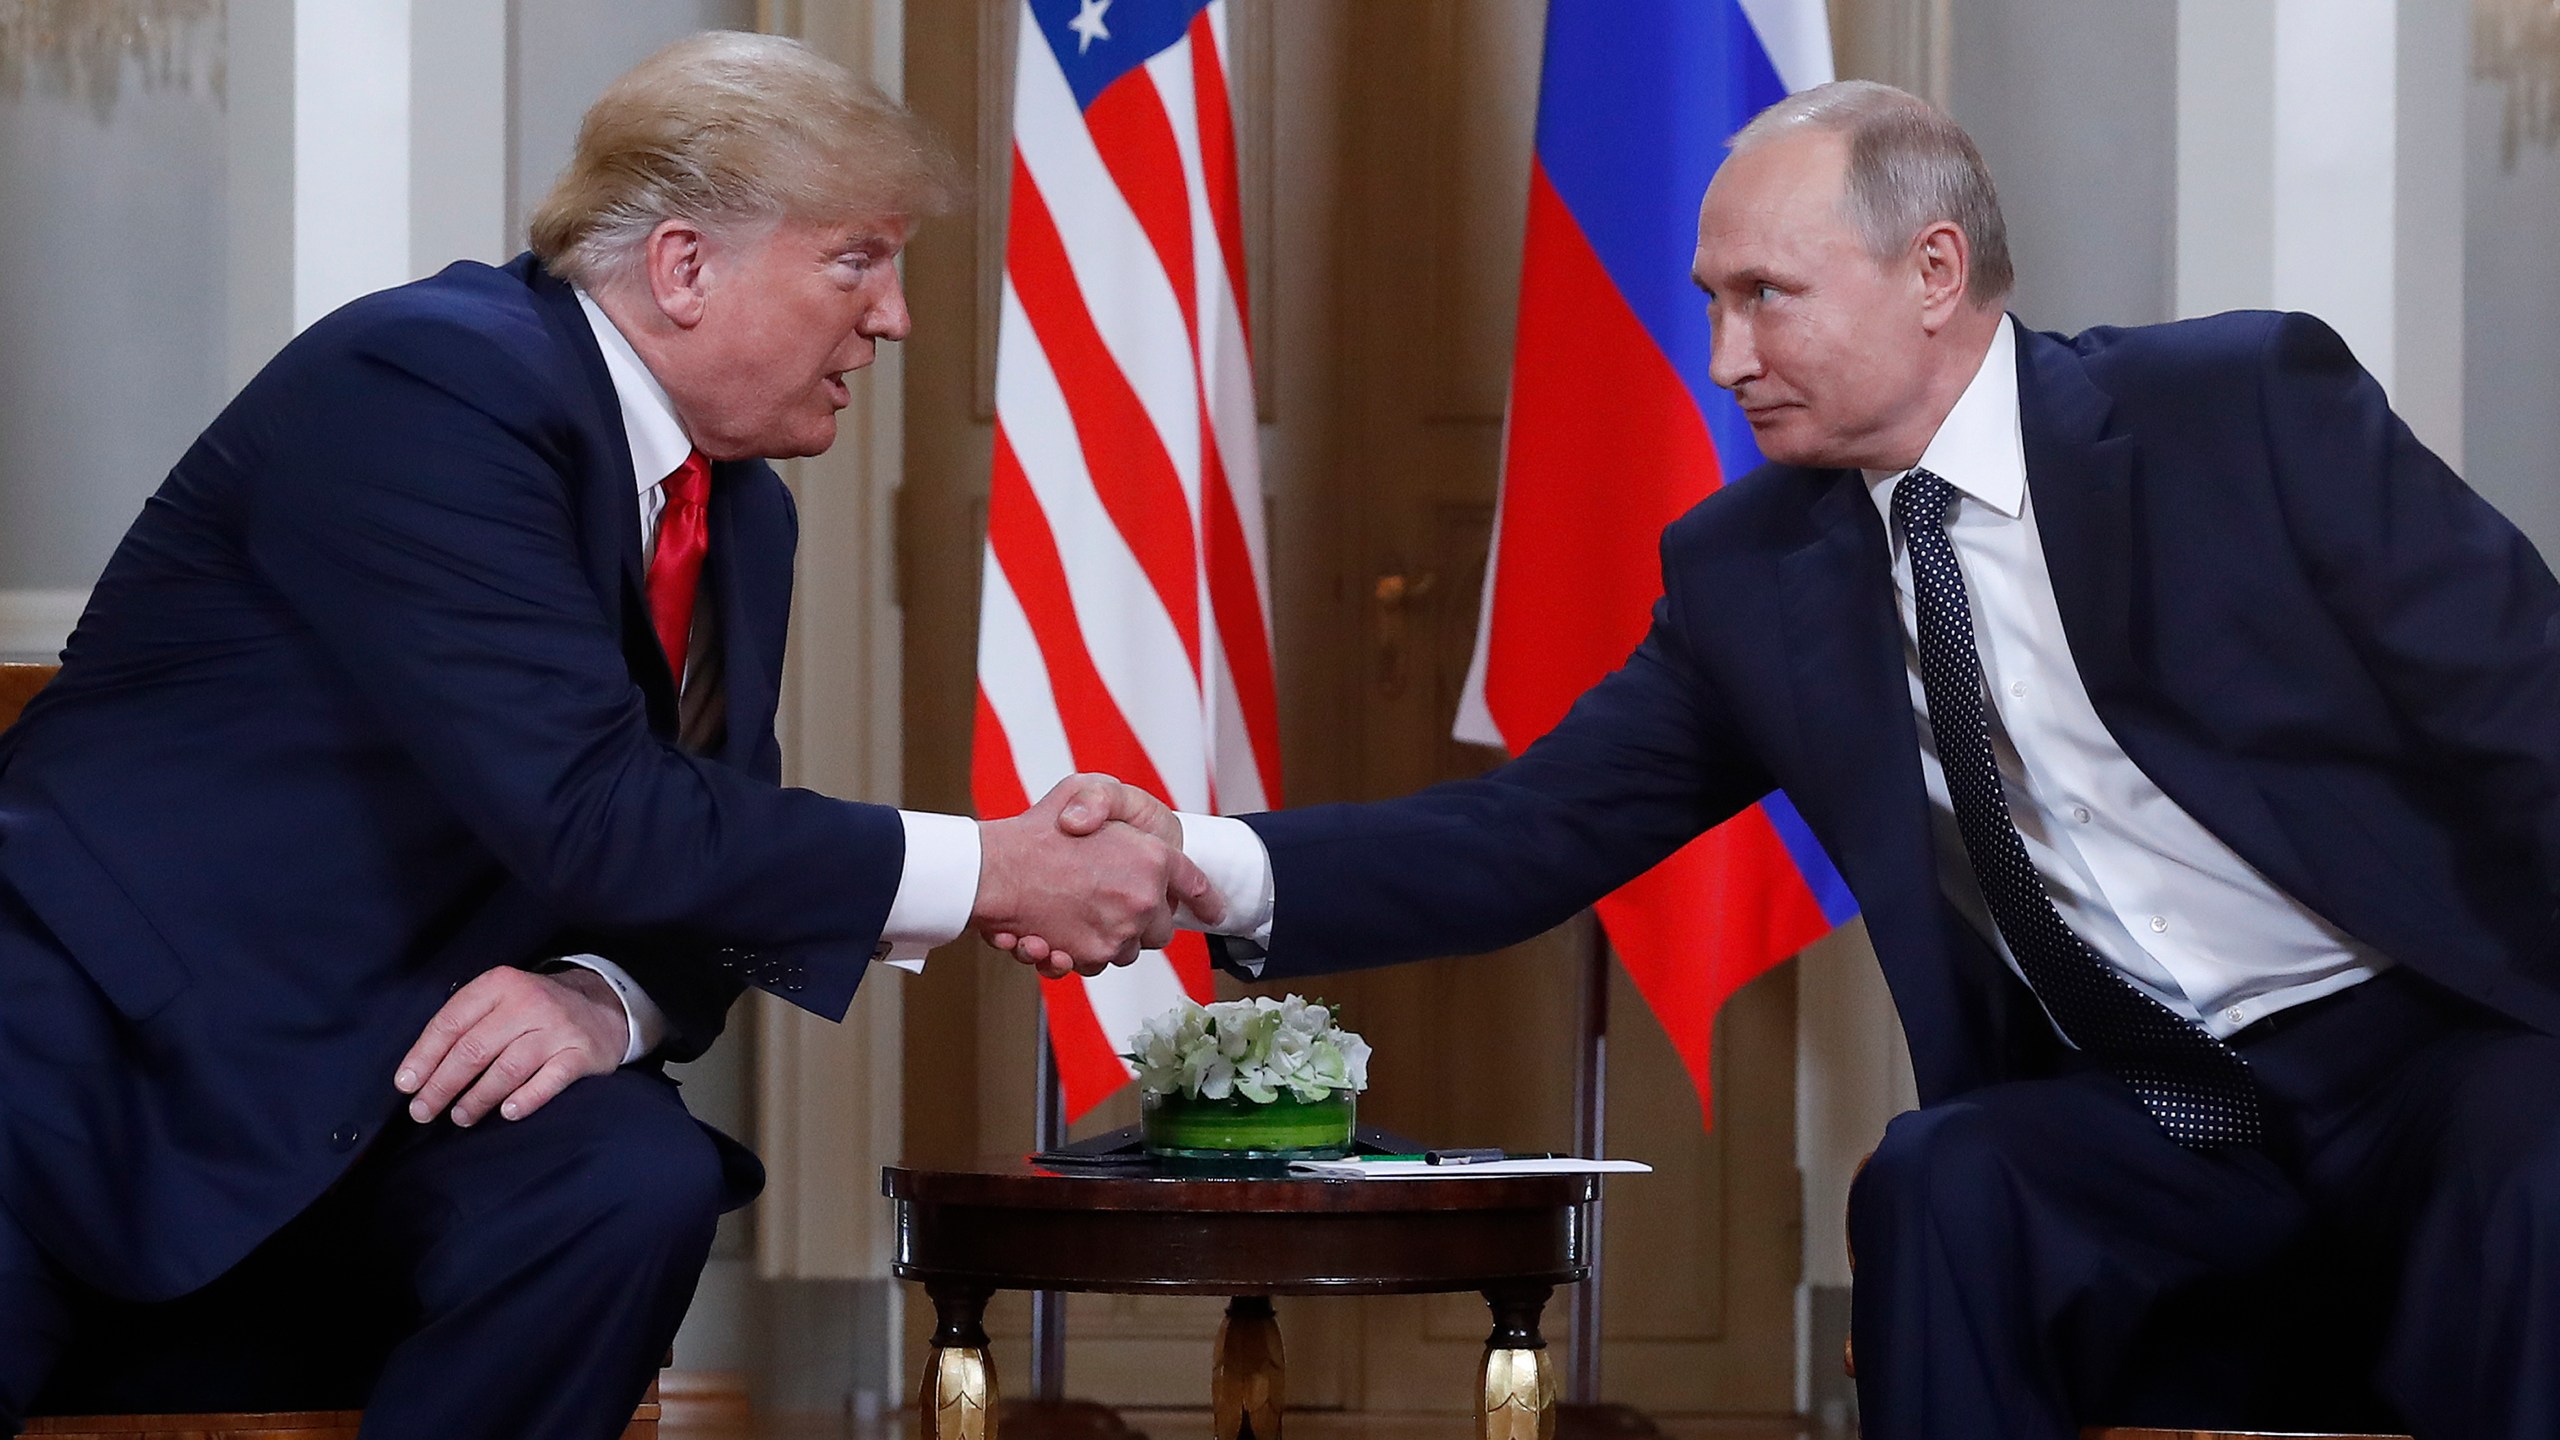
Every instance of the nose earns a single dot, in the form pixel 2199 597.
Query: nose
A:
pixel 887 319
pixel 1732 357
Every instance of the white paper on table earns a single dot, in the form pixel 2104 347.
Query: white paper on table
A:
pixel 1425 1170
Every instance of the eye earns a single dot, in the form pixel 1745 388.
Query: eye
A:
pixel 1764 293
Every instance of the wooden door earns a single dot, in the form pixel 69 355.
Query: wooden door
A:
pixel 1386 152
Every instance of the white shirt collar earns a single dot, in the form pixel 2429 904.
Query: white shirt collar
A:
pixel 1978 449
pixel 658 441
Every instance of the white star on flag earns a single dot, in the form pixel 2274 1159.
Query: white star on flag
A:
pixel 1088 24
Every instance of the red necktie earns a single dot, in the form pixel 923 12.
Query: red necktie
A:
pixel 684 533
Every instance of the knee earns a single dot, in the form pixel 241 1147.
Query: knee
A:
pixel 644 1178
pixel 1935 1170
pixel 2503 1147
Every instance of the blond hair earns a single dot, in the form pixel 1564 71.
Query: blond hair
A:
pixel 728 131
pixel 1909 167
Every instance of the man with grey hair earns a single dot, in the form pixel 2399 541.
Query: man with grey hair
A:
pixel 414 767
pixel 2190 737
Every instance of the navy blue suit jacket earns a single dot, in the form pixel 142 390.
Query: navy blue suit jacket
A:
pixel 2299 623
pixel 366 703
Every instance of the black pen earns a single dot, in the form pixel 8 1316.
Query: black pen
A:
pixel 1463 1157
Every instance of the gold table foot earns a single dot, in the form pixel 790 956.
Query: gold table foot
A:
pixel 958 1399
pixel 1516 1399
pixel 1249 1380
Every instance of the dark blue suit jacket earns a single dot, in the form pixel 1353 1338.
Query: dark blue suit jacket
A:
pixel 2299 623
pixel 367 703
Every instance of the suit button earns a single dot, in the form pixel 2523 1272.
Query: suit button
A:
pixel 344 1138
pixel 453 988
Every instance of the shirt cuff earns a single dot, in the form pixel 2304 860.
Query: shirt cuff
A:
pixel 937 890
pixel 645 1022
pixel 1234 859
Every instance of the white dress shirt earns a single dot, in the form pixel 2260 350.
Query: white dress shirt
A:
pixel 939 885
pixel 2153 892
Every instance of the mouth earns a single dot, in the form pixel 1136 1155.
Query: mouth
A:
pixel 839 394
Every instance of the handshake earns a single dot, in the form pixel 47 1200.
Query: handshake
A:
pixel 1087 878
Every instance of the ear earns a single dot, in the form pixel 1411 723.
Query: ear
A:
pixel 1942 261
pixel 673 259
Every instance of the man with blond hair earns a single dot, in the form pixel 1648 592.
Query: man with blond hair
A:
pixel 409 794
pixel 2190 736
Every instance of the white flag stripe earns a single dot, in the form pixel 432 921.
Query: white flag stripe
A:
pixel 1017 688
pixel 1226 373
pixel 1126 290
pixel 1126 997
pixel 1796 34
pixel 1226 382
pixel 1238 434
pixel 1239 778
pixel 1474 724
pixel 1170 72
pixel 1127 632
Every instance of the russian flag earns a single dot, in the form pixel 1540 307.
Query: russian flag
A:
pixel 1615 430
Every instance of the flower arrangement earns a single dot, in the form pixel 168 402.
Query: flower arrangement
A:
pixel 1258 1049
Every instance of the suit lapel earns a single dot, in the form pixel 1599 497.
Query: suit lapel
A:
pixel 2082 483
pixel 741 530
pixel 607 507
pixel 1851 693
pixel 2086 484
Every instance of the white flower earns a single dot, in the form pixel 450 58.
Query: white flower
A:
pixel 1207 1074
pixel 1355 1059
pixel 1254 1047
pixel 1306 1019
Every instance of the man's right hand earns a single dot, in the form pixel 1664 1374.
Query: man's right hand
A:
pixel 1081 892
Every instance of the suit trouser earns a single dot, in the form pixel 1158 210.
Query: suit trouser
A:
pixel 518 1279
pixel 2037 1256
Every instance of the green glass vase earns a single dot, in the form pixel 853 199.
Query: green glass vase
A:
pixel 1236 1128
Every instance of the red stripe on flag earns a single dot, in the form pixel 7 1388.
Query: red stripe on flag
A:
pixel 1088 1063
pixel 1704 923
pixel 1189 953
pixel 995 782
pixel 1135 137
pixel 1098 735
pixel 1236 600
pixel 1126 458
pixel 1606 448
pixel 1218 159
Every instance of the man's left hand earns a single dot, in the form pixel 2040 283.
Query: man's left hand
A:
pixel 510 1041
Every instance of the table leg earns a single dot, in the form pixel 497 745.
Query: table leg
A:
pixel 958 1401
pixel 1246 1385
pixel 1517 1398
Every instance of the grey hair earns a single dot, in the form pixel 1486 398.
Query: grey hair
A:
pixel 1909 167
pixel 734 131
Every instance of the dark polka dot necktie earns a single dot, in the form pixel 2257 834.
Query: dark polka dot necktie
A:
pixel 2197 1087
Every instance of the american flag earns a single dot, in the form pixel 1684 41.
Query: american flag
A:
pixel 1123 627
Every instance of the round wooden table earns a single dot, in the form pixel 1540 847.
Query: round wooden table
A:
pixel 1008 1225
